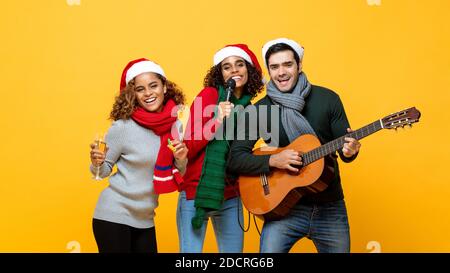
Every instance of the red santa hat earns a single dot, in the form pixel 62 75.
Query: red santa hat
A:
pixel 293 44
pixel 240 50
pixel 137 67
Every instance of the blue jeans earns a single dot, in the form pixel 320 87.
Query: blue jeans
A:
pixel 326 225
pixel 229 235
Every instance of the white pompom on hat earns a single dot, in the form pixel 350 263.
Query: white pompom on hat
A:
pixel 293 44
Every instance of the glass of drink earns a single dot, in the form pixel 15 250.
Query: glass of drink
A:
pixel 100 145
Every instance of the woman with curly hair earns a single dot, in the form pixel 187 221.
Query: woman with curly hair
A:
pixel 145 118
pixel 208 191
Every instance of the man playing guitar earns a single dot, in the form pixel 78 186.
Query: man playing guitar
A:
pixel 302 109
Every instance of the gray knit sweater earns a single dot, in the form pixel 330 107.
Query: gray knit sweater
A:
pixel 130 199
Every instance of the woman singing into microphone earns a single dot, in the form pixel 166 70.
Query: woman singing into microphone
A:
pixel 207 191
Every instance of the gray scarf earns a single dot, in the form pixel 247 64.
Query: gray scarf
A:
pixel 292 103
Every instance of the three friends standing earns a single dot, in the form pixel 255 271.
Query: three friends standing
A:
pixel 153 158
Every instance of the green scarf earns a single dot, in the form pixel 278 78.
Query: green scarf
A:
pixel 210 189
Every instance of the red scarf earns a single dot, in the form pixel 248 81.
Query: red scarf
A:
pixel 166 177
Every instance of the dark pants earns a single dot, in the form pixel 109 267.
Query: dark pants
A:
pixel 119 238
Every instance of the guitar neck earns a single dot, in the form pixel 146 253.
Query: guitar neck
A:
pixel 338 143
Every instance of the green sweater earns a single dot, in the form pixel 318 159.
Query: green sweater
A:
pixel 325 113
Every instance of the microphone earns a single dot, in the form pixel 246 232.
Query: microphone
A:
pixel 231 84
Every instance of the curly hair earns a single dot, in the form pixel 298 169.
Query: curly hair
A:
pixel 125 103
pixel 253 86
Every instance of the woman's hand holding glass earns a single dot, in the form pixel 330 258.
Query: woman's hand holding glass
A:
pixel 180 150
pixel 98 154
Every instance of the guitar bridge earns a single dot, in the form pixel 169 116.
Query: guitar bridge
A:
pixel 264 183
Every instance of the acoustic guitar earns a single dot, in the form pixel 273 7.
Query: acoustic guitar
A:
pixel 271 196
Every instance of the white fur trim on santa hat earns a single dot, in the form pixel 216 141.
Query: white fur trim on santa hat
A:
pixel 231 51
pixel 143 67
pixel 295 46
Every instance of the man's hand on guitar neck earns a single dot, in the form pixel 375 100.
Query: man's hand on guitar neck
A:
pixel 351 146
pixel 285 160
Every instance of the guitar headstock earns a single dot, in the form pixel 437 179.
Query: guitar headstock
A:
pixel 401 118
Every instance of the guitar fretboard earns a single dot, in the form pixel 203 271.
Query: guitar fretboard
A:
pixel 338 143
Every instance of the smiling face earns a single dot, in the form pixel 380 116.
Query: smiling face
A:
pixel 150 91
pixel 283 70
pixel 235 68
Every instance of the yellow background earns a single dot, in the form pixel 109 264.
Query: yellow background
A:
pixel 60 69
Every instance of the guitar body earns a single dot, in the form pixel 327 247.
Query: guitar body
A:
pixel 284 188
